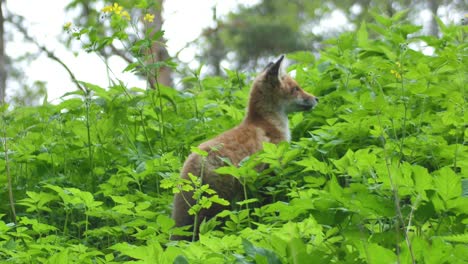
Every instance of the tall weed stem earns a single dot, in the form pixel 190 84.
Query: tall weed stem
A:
pixel 396 197
pixel 90 147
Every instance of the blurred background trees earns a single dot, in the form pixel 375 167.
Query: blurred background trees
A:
pixel 270 27
pixel 246 38
pixel 2 56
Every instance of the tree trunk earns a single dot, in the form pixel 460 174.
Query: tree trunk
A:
pixel 390 10
pixel 433 27
pixel 2 57
pixel 158 50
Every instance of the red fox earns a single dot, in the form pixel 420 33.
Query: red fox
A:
pixel 272 97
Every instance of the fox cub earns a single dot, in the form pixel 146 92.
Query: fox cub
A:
pixel 272 97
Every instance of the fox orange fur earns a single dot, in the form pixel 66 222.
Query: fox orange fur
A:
pixel 272 97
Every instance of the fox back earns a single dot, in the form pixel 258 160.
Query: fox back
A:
pixel 272 97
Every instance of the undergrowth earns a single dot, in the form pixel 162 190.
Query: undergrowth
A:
pixel 374 174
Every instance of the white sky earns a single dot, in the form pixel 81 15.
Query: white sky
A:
pixel 184 21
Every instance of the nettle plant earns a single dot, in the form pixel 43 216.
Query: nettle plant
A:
pixel 375 174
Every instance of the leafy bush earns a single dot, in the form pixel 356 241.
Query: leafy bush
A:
pixel 373 174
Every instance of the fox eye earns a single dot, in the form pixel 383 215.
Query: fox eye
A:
pixel 295 89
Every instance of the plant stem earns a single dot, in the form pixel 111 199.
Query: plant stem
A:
pixel 396 198
pixel 86 223
pixel 67 214
pixel 146 133
pixel 195 227
pixel 162 121
pixel 247 204
pixel 405 105
pixel 10 183
pixel 8 174
pixel 195 222
pixel 156 86
pixel 90 148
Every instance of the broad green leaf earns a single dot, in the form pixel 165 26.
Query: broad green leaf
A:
pixel 461 238
pixel 60 257
pixel 313 164
pixel 147 253
pixel 260 254
pixel 362 36
pixel 422 181
pixel 181 260
pixel 297 251
pixel 379 254
pixel 448 184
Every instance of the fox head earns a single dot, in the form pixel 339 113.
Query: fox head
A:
pixel 274 91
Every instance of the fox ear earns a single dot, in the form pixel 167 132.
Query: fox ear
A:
pixel 268 66
pixel 274 68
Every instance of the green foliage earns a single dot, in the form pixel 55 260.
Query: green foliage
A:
pixel 376 173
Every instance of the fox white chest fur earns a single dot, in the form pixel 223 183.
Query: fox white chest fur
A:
pixel 272 97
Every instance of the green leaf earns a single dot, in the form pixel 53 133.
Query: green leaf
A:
pixel 157 35
pixel 229 170
pixel 461 238
pixel 422 181
pixel 297 251
pixel 181 259
pixel 399 15
pixel 313 164
pixel 302 57
pixel 199 151
pixel 146 253
pixel 379 254
pixel 165 222
pixel 384 20
pixel 363 36
pixel 248 201
pixel 131 67
pixel 60 257
pixel 219 200
pixel 259 253
pixel 448 184
pixel 101 92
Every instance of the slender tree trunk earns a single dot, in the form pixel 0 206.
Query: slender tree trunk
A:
pixel 158 50
pixel 218 46
pixel 2 57
pixel 433 27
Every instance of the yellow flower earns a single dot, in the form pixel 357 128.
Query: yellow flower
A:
pixel 117 9
pixel 126 15
pixel 396 74
pixel 107 9
pixel 149 18
pixel 67 26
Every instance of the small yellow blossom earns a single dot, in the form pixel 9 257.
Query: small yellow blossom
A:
pixel 125 15
pixel 107 9
pixel 396 74
pixel 148 18
pixel 117 9
pixel 67 26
